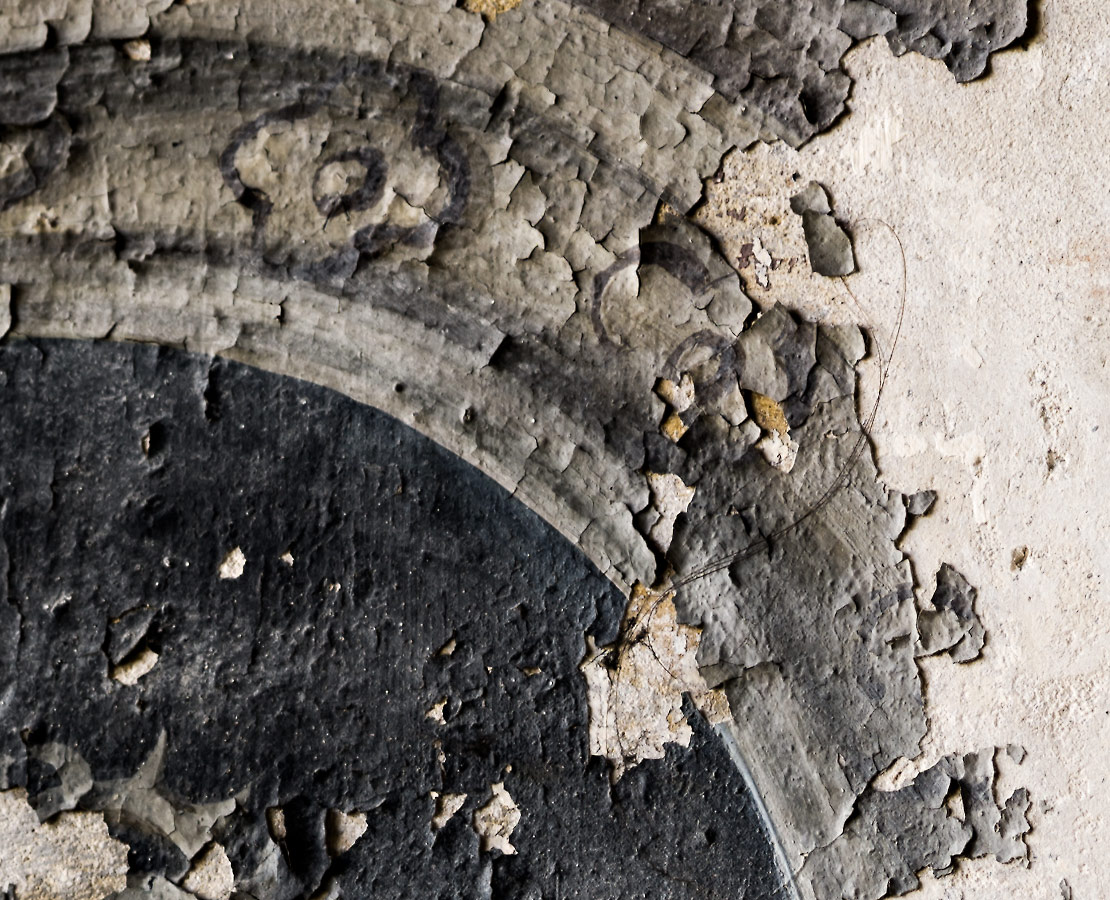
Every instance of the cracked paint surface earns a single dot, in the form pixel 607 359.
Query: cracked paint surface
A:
pixel 453 217
pixel 283 715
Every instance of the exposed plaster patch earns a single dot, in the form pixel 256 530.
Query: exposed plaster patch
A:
pixel 343 829
pixel 780 452
pixel 777 446
pixel 636 685
pixel 232 565
pixel 134 667
pixel 490 9
pixel 137 50
pixel 435 712
pixel 72 857
pixel 210 877
pixel 673 427
pixel 446 806
pixel 275 823
pixel 495 821
pixel 768 414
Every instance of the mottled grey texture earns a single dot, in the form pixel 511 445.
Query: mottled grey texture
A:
pixel 949 623
pixel 782 57
pixel 946 812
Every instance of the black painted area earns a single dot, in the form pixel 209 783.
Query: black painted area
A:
pixel 127 474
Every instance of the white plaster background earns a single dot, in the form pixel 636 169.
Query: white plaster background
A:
pixel 1000 193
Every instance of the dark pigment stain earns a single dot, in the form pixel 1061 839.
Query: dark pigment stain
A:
pixel 130 472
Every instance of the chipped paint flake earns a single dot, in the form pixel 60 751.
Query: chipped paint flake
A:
pixel 496 820
pixel 669 498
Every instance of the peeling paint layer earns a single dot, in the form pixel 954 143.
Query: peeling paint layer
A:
pixel 462 220
pixel 284 715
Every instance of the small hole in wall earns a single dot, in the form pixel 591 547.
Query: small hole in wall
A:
pixel 399 388
pixel 154 441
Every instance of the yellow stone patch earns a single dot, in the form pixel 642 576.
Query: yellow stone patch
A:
pixel 768 415
pixel 490 9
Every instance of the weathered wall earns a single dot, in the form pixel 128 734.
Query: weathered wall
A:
pixel 998 397
pixel 459 221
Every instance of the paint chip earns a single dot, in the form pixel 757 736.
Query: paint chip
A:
pixel 670 497
pixel 830 248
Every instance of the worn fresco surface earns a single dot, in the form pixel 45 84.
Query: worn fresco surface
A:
pixel 404 492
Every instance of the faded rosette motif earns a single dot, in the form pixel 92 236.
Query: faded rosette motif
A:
pixel 352 170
